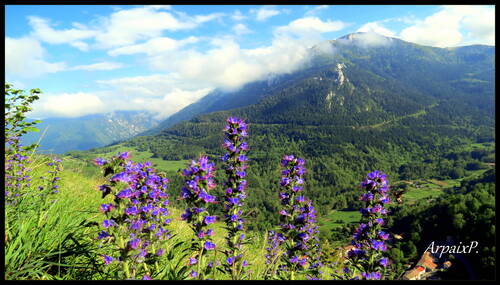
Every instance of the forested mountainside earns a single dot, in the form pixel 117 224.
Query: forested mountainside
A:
pixel 397 106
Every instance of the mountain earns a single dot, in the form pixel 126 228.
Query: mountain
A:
pixel 361 103
pixel 435 72
pixel 219 100
pixel 82 133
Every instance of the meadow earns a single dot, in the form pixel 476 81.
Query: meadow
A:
pixel 63 246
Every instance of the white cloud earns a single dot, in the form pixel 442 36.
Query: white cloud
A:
pixel 375 27
pixel 238 16
pixel 125 27
pixel 241 29
pixel 106 65
pixel 121 28
pixel 68 105
pixel 24 57
pixel 367 40
pixel 228 66
pixel 479 23
pixel 174 101
pixel 200 19
pixel 265 12
pixel 316 9
pixel 444 28
pixel 308 25
pixel 163 94
pixel 44 32
pixel 153 46
pixel 161 7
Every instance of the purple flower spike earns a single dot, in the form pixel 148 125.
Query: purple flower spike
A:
pixel 368 238
pixel 134 221
pixel 235 164
pixel 298 218
pixel 199 180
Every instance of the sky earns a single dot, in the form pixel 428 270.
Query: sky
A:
pixel 90 59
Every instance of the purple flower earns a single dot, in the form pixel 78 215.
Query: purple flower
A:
pixel 102 234
pixel 371 275
pixel 134 243
pixel 127 193
pixel 123 177
pixel 384 262
pixel 192 261
pixel 108 223
pixel 146 277
pixel 132 211
pixel 244 146
pixel 206 197
pixel 137 224
pixel 367 197
pixel 107 259
pixel 209 245
pixel 210 220
pixel 106 207
pixel 230 260
pixel 99 161
pixel 378 245
pixel 187 214
pixel 383 235
pixel 355 253
pixel 384 199
pixel 124 155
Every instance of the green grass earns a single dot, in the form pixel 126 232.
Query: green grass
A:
pixel 37 253
pixel 422 193
pixel 54 242
pixel 331 221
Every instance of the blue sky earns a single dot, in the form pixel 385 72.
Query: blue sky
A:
pixel 94 59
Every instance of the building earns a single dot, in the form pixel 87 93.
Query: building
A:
pixel 414 274
pixel 427 261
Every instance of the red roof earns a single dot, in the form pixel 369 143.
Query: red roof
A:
pixel 427 261
pixel 415 272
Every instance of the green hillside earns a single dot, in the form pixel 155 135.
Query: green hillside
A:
pixel 396 108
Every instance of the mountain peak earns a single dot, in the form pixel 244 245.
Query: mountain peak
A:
pixel 358 35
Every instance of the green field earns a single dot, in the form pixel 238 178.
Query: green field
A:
pixel 138 156
pixel 427 189
pixel 338 218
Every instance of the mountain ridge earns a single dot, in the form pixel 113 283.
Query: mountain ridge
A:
pixel 96 130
